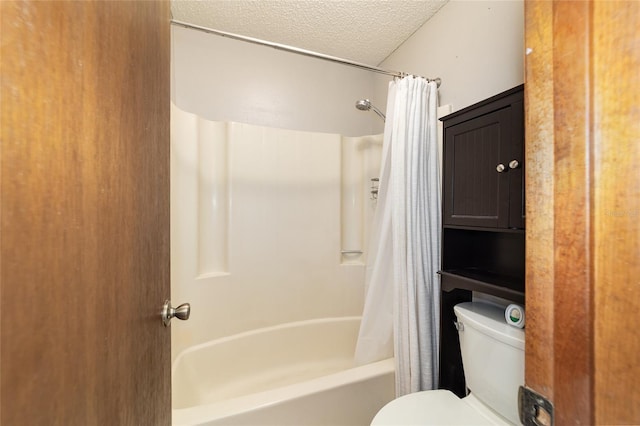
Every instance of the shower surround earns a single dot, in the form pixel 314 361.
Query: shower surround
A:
pixel 268 229
pixel 259 218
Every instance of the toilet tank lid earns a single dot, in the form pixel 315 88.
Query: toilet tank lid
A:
pixel 489 319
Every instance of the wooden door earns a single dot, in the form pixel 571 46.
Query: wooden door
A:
pixel 583 209
pixel 84 254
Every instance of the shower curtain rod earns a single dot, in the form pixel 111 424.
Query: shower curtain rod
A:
pixel 297 50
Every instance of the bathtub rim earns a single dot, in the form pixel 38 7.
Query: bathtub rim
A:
pixel 249 333
pixel 200 414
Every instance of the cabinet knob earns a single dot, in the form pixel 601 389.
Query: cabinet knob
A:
pixel 513 164
pixel 500 168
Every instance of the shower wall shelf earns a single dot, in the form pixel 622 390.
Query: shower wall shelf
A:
pixel 351 251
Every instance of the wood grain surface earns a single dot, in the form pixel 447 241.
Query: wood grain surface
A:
pixel 583 204
pixel 573 316
pixel 84 213
pixel 539 158
pixel 616 211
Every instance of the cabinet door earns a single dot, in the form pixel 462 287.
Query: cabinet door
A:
pixel 516 172
pixel 475 192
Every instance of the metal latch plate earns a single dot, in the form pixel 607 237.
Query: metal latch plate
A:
pixel 534 409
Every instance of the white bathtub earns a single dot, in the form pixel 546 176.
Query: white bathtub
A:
pixel 298 373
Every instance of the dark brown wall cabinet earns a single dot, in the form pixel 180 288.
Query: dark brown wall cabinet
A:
pixel 483 164
pixel 483 197
pixel 483 214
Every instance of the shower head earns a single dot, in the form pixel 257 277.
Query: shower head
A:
pixel 365 105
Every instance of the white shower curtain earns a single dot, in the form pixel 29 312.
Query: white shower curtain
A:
pixel 401 312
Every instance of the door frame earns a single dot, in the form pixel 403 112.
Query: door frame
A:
pixel 583 202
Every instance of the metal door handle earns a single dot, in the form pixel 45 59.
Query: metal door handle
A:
pixel 500 168
pixel 182 312
pixel 513 164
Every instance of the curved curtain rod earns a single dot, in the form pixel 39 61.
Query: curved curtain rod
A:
pixel 297 50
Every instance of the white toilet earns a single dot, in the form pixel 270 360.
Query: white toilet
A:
pixel 493 362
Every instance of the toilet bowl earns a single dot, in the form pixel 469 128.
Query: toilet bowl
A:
pixel 493 362
pixel 437 407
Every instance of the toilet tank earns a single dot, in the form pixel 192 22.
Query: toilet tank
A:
pixel 492 356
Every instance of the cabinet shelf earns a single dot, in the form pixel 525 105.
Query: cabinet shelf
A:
pixel 476 228
pixel 488 282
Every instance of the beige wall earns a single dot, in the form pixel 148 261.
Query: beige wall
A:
pixel 475 47
pixel 222 79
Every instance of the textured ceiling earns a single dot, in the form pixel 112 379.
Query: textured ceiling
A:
pixel 360 30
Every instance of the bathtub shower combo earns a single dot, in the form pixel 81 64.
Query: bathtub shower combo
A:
pixel 268 234
pixel 299 373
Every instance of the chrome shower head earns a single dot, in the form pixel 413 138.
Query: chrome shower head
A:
pixel 365 105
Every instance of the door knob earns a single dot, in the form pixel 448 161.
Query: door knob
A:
pixel 500 168
pixel 513 164
pixel 182 312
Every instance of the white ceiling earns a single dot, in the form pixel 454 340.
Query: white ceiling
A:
pixel 364 31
